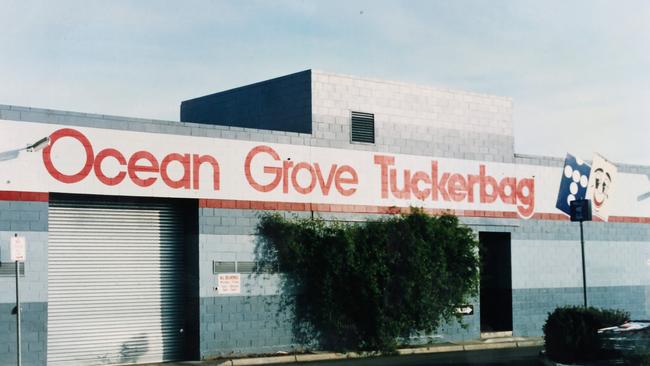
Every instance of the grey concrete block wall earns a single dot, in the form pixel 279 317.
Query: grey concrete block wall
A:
pixel 244 325
pixel 253 321
pixel 28 219
pixel 531 306
pixel 413 119
pixel 547 269
pixel 33 334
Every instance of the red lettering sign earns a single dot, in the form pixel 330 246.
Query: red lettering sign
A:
pixel 267 171
pixel 454 186
pixel 286 173
pixel 142 167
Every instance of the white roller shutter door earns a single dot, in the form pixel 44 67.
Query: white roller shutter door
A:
pixel 115 283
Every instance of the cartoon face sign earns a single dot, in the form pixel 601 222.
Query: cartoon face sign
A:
pixel 599 190
pixel 602 182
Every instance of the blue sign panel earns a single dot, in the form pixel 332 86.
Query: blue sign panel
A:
pixel 575 178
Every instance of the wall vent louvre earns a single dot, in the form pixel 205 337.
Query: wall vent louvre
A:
pixel 246 267
pixel 8 269
pixel 241 267
pixel 363 127
pixel 223 267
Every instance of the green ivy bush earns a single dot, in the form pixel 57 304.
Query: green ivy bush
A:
pixel 361 286
pixel 571 332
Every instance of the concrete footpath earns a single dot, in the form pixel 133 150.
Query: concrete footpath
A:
pixel 484 344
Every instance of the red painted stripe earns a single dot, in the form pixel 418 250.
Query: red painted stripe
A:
pixel 24 196
pixel 630 219
pixel 366 209
pixel 327 207
pixel 550 216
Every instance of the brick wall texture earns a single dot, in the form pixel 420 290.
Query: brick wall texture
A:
pixel 28 219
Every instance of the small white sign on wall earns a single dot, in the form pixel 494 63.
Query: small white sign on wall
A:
pixel 17 248
pixel 228 283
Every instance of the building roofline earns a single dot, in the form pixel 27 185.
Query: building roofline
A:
pixel 407 84
pixel 257 83
pixel 60 112
pixel 624 167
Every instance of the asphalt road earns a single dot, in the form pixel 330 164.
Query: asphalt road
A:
pixel 526 356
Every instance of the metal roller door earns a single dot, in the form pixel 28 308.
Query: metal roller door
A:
pixel 115 283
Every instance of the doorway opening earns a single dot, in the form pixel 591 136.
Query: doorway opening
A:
pixel 496 284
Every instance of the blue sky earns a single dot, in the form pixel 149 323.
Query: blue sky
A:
pixel 578 71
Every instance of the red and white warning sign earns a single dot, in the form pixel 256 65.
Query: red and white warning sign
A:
pixel 229 283
pixel 17 249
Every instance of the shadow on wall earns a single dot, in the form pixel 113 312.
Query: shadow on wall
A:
pixel 645 195
pixel 283 307
pixel 134 348
pixel 9 154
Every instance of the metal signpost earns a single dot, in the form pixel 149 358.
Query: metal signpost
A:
pixel 581 211
pixel 580 181
pixel 17 250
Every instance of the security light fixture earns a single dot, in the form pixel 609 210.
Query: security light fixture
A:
pixel 38 145
pixel 13 154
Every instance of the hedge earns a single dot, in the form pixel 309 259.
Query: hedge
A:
pixel 362 286
pixel 571 332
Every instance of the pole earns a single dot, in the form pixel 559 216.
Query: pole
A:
pixel 18 313
pixel 584 269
